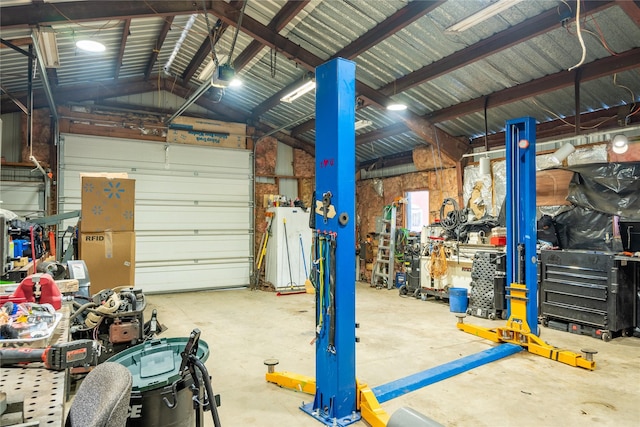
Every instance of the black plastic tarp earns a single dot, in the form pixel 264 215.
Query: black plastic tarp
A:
pixel 582 228
pixel 612 188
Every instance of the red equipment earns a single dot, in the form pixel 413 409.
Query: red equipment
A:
pixel 39 288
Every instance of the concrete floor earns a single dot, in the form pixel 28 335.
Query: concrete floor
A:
pixel 399 337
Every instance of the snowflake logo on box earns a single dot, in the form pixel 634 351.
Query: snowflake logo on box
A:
pixel 113 191
pixel 88 187
pixel 128 214
pixel 97 210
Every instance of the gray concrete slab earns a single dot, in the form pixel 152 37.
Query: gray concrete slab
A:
pixel 399 337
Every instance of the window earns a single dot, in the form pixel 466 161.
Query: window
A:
pixel 417 210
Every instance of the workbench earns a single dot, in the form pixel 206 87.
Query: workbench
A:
pixel 459 263
pixel 42 391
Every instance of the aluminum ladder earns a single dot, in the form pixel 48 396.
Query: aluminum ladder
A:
pixel 383 269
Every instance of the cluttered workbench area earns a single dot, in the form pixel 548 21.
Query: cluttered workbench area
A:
pixel 587 283
pixel 73 324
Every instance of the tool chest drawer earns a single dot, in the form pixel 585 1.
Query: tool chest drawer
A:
pixel 587 288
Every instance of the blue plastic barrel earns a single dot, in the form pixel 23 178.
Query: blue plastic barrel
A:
pixel 458 300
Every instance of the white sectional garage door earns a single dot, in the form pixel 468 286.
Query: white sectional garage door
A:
pixel 24 198
pixel 193 207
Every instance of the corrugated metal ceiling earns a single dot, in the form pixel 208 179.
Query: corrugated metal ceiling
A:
pixel 325 27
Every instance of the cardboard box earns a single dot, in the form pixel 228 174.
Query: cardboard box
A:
pixel 107 204
pixel 110 258
pixel 197 137
pixel 192 130
pixel 207 125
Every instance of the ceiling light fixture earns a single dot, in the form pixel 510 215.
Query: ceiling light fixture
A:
pixel 235 82
pixel 485 165
pixel 223 76
pixel 363 124
pixel 620 144
pixel 300 91
pixel 48 47
pixel 562 153
pixel 482 15
pixel 207 71
pixel 396 107
pixel 90 46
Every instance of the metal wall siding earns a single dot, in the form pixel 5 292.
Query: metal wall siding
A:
pixel 192 211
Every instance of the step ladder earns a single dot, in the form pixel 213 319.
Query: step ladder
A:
pixel 383 269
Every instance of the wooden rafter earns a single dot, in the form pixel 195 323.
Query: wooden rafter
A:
pixel 166 27
pixel 386 28
pixel 205 47
pixel 450 146
pixel 631 8
pixel 123 45
pixel 78 11
pixel 599 68
pixel 282 18
pixel 519 33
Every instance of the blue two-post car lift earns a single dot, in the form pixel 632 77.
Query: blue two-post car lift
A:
pixel 339 398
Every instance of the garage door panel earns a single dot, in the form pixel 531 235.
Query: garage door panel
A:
pixel 193 207
pixel 196 247
pixel 150 189
pixel 172 278
pixel 144 155
pixel 23 198
pixel 189 218
pixel 201 189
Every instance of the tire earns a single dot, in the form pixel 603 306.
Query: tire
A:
pixel 403 291
pixel 503 315
pixel 606 336
pixel 492 316
pixel 545 323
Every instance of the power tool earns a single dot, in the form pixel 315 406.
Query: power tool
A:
pixel 57 357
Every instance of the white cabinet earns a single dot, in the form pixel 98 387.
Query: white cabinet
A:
pixel 290 238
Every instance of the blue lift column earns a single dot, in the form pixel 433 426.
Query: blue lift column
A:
pixel 521 212
pixel 336 391
pixel 522 272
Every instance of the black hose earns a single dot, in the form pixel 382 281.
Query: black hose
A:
pixel 82 309
pixel 207 385
pixel 452 220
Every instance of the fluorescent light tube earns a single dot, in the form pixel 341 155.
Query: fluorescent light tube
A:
pixel 482 15
pixel 297 93
pixel 363 124
pixel 49 48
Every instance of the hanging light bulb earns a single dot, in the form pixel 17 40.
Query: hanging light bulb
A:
pixel 485 166
pixel 620 144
